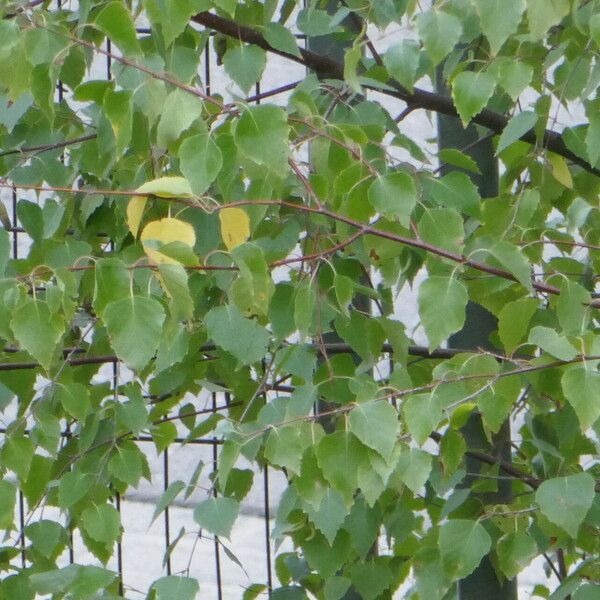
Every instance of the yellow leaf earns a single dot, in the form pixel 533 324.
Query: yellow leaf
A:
pixel 135 210
pixel 163 187
pixel 560 170
pixel 166 231
pixel 235 227
pixel 167 187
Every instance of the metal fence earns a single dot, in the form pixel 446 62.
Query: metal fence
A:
pixel 138 564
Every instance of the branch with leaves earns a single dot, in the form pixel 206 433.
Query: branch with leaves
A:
pixel 212 236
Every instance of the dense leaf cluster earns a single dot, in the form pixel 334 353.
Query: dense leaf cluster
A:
pixel 199 243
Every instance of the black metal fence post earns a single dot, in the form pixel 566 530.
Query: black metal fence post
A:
pixel 483 583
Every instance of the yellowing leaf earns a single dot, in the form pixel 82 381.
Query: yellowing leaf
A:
pixel 166 231
pixel 163 187
pixel 560 170
pixel 167 187
pixel 235 227
pixel 135 210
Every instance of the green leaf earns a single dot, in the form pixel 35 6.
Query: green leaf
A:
pixel 227 5
pixel 363 525
pixel 261 135
pixel 8 496
pixel 74 398
pixel 253 289
pixel 37 330
pixel 200 160
pixel 588 591
pixel 581 387
pixel 499 20
pixel 281 38
pixel 113 282
pixel 566 500
pixel 167 497
pixel 443 227
pixel 81 582
pixel 127 464
pixel 552 343
pixel 471 92
pixel 442 303
pixel 167 187
pixel 514 76
pixel 174 280
pixel 134 325
pixel 244 338
pixel 595 28
pixel 180 110
pixel 173 17
pixel 463 544
pixel 304 306
pixel 115 21
pixel 452 156
pixel 47 536
pixel 245 65
pixel 336 587
pixel 376 425
pixel 372 578
pixel 455 190
pixel 413 468
pixel 572 307
pixel 592 136
pixel 352 58
pixel 102 523
pixel 17 453
pixel 518 126
pixel 513 322
pixel 440 32
pixel 119 110
pixel 402 62
pixel 175 586
pixel 72 488
pixel 314 22
pixel 329 515
pixel 515 551
pixel 217 515
pixel 513 260
pixel 285 447
pixel 31 217
pixel 394 195
pixel 423 413
pixel 339 456
pixel 543 14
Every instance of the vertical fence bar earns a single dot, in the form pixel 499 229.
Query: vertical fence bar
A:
pixel 15 251
pixel 267 506
pixel 167 513
pixel 268 530
pixel 215 456
pixel 115 382
pixel 479 324
pixel 22 528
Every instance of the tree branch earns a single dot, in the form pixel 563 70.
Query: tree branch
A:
pixel 47 147
pixel 491 460
pixel 419 98
pixel 333 348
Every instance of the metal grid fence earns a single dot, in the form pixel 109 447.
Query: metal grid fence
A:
pixel 264 493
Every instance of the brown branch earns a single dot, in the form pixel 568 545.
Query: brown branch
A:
pixel 492 460
pixel 332 348
pixel 418 98
pixel 366 229
pixel 47 147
